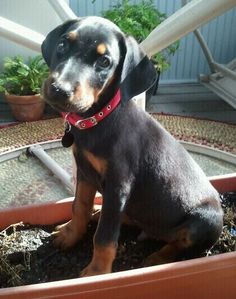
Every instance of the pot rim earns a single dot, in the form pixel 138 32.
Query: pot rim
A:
pixel 24 99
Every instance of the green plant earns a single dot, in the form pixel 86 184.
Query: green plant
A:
pixel 22 78
pixel 138 20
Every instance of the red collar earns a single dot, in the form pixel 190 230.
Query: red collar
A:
pixel 85 123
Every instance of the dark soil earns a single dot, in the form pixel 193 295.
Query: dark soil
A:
pixel 27 255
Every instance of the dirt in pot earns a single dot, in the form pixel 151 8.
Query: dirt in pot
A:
pixel 27 255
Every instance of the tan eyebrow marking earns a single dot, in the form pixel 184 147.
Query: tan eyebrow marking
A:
pixel 101 49
pixel 72 35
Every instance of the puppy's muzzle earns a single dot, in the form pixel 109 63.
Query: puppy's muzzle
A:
pixel 59 91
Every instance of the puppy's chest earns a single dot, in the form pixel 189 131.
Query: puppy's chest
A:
pixel 97 163
pixel 92 167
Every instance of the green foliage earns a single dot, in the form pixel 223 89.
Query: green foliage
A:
pixel 138 20
pixel 21 78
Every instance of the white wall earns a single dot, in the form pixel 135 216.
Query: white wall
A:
pixel 37 15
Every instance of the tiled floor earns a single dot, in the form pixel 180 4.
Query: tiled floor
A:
pixel 26 180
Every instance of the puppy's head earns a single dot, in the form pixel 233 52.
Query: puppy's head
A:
pixel 86 57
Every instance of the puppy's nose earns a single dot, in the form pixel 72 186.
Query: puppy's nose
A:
pixel 62 89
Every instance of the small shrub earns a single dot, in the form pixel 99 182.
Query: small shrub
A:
pixel 138 20
pixel 22 78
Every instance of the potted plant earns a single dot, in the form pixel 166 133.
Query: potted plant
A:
pixel 21 83
pixel 207 277
pixel 138 20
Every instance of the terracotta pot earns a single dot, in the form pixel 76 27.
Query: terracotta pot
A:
pixel 26 108
pixel 224 183
pixel 205 278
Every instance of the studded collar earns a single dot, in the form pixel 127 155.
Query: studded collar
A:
pixel 86 123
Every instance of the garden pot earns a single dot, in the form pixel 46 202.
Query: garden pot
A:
pixel 205 278
pixel 26 108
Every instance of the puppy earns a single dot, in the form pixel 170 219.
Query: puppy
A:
pixel 140 169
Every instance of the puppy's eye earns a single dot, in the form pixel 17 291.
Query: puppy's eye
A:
pixel 104 62
pixel 62 47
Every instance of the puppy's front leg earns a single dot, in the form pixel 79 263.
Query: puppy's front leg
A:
pixel 107 233
pixel 66 235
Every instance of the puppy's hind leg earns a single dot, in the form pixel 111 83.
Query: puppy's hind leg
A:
pixel 198 233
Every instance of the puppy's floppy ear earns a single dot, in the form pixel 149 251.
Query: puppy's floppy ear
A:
pixel 52 38
pixel 138 73
pixel 133 56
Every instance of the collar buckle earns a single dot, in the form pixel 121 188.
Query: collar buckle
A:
pixel 86 123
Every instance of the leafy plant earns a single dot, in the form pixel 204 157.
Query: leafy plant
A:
pixel 138 20
pixel 22 78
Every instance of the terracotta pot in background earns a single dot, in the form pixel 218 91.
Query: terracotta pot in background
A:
pixel 26 108
pixel 205 278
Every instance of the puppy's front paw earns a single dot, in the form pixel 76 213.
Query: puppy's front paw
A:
pixel 167 254
pixel 93 269
pixel 66 235
pixel 154 259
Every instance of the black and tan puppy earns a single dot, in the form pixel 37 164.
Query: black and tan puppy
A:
pixel 139 168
